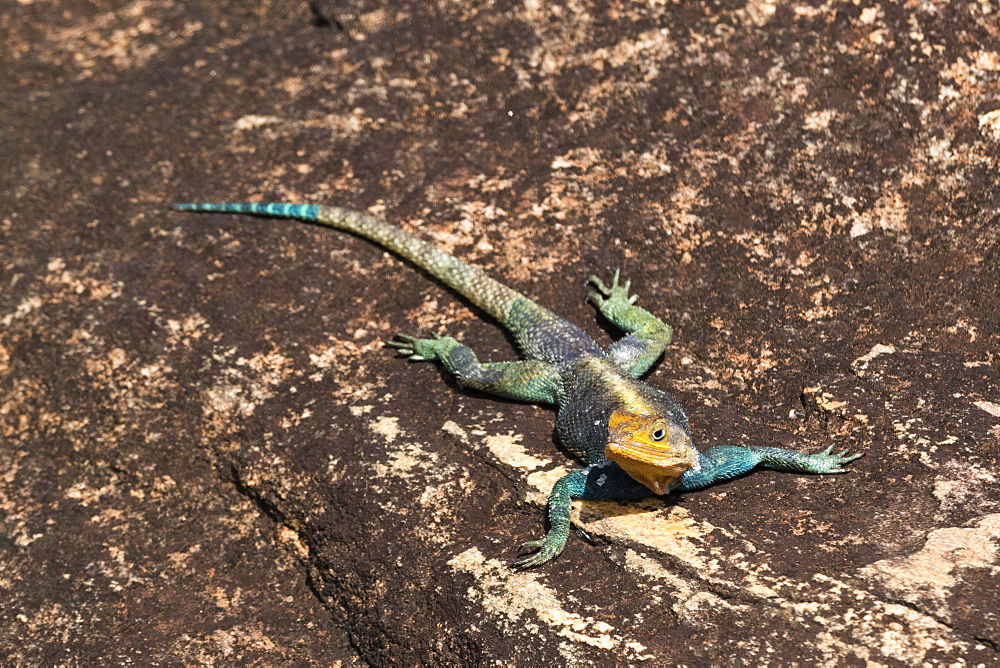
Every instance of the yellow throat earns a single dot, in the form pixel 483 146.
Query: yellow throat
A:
pixel 652 449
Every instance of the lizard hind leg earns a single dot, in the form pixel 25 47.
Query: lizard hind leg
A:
pixel 527 380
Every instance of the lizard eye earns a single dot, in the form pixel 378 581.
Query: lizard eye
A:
pixel 658 434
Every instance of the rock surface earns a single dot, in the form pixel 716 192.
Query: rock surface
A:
pixel 208 456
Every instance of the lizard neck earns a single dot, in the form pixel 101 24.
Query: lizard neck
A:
pixel 620 391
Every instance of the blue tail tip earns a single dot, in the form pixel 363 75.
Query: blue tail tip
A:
pixel 283 210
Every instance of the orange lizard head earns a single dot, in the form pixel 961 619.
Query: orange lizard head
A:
pixel 653 449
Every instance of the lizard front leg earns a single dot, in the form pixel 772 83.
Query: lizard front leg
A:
pixel 728 461
pixel 600 481
pixel 525 380
pixel 647 336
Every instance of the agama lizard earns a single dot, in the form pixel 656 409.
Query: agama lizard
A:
pixel 633 438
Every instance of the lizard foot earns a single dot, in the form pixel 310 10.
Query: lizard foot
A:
pixel 830 462
pixel 546 550
pixel 613 299
pixel 421 350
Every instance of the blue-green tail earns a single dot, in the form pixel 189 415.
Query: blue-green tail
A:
pixel 540 333
pixel 492 296
pixel 301 211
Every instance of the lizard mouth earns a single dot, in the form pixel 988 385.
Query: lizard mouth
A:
pixel 648 464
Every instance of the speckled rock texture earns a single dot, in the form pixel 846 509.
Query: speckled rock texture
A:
pixel 208 456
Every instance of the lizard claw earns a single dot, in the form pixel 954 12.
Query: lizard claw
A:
pixel 545 553
pixel 423 350
pixel 405 344
pixel 828 461
pixel 603 289
pixel 599 284
pixel 614 298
